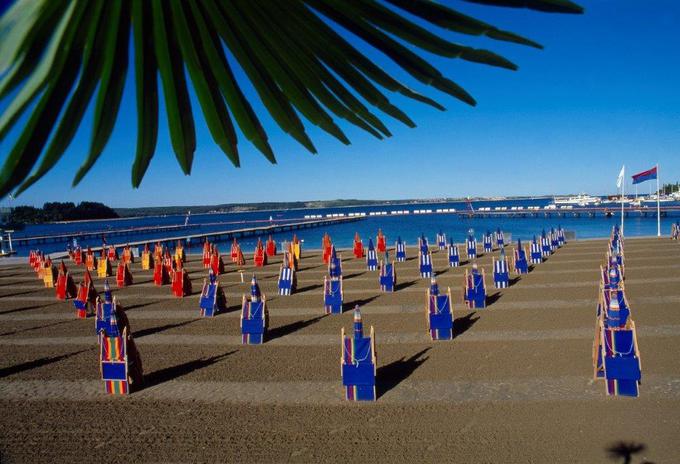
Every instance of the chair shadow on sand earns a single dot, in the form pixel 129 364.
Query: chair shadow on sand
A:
pixel 491 299
pixel 162 328
pixel 282 331
pixel 173 372
pixel 403 285
pixel 623 450
pixel 392 374
pixel 463 324
pixel 11 370
pixel 360 302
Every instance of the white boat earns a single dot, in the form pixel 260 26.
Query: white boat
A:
pixel 581 200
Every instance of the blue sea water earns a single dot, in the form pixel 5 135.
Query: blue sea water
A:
pixel 408 227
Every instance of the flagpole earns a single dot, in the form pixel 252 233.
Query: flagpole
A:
pixel 658 203
pixel 623 189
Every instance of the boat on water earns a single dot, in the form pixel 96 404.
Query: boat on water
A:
pixel 581 199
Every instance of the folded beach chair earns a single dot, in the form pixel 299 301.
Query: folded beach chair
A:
pixel 488 242
pixel 560 236
pixel 425 263
pixel 212 299
pixel 423 244
pixel 474 289
pixel 371 257
pixel 207 252
pixel 613 308
pixel 332 295
pixel 109 317
pixel 78 256
pixel 334 263
pixel 438 310
pixel 86 297
pixel 400 248
pixel 500 238
pixel 179 255
pixel 146 259
pixel 454 255
pixel 104 268
pixel 286 279
pixel 123 274
pixel 260 255
pixel 501 274
pixel 181 283
pixel 611 276
pixel 388 276
pixel 128 255
pixel 49 273
pixel 441 240
pixel 381 242
pixel 675 231
pixel 119 362
pixel 254 316
pixel 617 259
pixel 358 248
pixel 326 245
pixel 358 362
pixel 160 273
pixel 536 253
pixel 554 240
pixel 112 254
pixel 235 248
pixel 546 247
pixel 520 264
pixel 616 359
pixel 471 247
pixel 65 287
pixel 271 247
pixel 296 249
pixel 216 262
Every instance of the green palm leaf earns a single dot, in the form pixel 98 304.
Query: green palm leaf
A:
pixel 55 54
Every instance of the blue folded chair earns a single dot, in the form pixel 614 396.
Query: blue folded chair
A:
pixel 520 266
pixel 560 236
pixel 441 240
pixel 388 277
pixel 471 247
pixel 332 295
pixel 439 313
pixel 401 250
pixel 254 316
pixel 286 280
pixel 371 257
pixel 474 289
pixel 119 363
pixel 546 248
pixel 617 360
pixel 423 244
pixel 454 256
pixel 501 274
pixel 212 299
pixel 106 318
pixel 500 238
pixel 425 263
pixel 358 362
pixel 488 242
pixel 536 253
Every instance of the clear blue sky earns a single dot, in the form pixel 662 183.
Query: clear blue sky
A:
pixel 603 92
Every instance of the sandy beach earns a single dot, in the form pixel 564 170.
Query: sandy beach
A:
pixel 515 385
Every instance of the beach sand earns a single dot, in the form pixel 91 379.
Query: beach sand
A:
pixel 515 385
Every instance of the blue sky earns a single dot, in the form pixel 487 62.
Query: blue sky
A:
pixel 603 92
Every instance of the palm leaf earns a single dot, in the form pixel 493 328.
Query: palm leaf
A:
pixel 297 55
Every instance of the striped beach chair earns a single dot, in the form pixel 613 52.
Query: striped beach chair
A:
pixel 561 239
pixel 611 277
pixel 400 248
pixel 536 253
pixel 487 240
pixel 675 231
pixel 471 247
pixel 388 276
pixel 520 264
pixel 423 244
pixel 454 255
pixel 501 274
pixel 616 359
pixel 358 362
pixel 425 264
pixel 212 299
pixel 613 308
pixel 438 310
pixel 500 238
pixel 371 257
pixel 332 295
pixel 546 246
pixel 254 316
pixel 119 363
pixel 441 240
pixel 286 279
pixel 554 241
pixel 474 288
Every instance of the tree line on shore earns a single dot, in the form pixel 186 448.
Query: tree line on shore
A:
pixel 58 211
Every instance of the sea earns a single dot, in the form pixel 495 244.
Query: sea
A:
pixel 406 226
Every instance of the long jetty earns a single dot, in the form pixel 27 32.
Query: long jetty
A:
pixel 225 235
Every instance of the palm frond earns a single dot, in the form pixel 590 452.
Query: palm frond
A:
pixel 55 54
